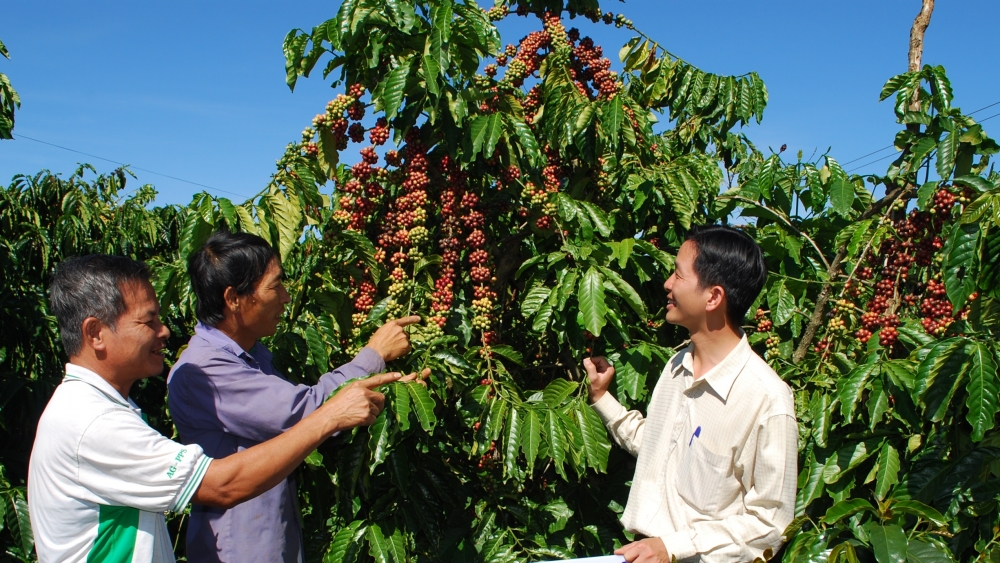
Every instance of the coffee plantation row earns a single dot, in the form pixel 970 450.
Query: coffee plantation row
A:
pixel 527 202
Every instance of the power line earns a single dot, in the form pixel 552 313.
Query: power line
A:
pixel 131 167
pixel 891 146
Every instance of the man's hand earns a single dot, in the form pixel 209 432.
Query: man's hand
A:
pixel 420 378
pixel 390 340
pixel 599 374
pixel 357 403
pixel 649 550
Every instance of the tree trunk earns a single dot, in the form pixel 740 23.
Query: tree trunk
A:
pixel 920 24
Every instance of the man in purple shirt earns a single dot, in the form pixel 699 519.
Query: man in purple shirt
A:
pixel 226 395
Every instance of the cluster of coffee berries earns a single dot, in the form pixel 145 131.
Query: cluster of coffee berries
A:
pixel 335 119
pixel 490 458
pixel 773 346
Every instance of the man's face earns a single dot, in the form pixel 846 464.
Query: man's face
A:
pixel 262 310
pixel 686 299
pixel 136 345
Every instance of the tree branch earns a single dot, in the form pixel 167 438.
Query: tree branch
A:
pixel 916 53
pixel 816 318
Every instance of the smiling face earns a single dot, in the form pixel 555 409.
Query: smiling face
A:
pixel 687 301
pixel 261 310
pixel 135 347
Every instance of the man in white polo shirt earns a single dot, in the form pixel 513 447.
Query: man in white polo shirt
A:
pixel 715 475
pixel 100 479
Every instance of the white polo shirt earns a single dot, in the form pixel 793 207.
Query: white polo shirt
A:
pixel 100 479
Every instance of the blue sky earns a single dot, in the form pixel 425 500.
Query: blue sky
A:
pixel 196 90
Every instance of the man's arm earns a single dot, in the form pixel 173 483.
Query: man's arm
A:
pixel 625 426
pixel 254 405
pixel 769 502
pixel 244 475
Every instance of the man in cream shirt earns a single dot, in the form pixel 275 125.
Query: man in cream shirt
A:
pixel 716 470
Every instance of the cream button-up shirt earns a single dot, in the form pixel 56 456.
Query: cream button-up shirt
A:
pixel 716 471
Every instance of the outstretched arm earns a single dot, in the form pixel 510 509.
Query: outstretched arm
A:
pixel 244 475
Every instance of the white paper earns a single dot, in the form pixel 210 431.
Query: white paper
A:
pixel 603 559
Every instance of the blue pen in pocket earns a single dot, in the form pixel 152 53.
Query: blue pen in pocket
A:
pixel 697 433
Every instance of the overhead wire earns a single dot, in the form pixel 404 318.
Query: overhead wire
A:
pixel 19 136
pixel 891 146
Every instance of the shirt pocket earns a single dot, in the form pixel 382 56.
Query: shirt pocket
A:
pixel 705 480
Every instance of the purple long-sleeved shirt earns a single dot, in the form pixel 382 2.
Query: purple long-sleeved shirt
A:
pixel 227 400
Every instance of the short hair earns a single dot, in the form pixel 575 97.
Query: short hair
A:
pixel 728 257
pixel 237 260
pixel 91 286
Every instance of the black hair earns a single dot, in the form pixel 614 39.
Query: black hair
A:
pixel 91 286
pixel 728 257
pixel 237 260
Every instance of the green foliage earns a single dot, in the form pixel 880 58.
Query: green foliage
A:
pixel 9 100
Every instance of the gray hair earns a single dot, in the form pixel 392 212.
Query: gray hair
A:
pixel 91 286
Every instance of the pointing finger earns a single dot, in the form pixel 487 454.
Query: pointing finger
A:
pixel 377 380
pixel 406 321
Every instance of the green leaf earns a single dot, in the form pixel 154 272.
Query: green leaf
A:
pixel 841 196
pixel 960 258
pixel 541 321
pixel 630 372
pixel 947 149
pixel 888 543
pixel 531 435
pixel 590 293
pixel 378 545
pixel 925 193
pixel 782 303
pixel 920 509
pixel 945 356
pixel 597 217
pixel 557 391
pixel 493 128
pixel 534 299
pixel 847 458
pixel 918 551
pixel 887 472
pixel 346 543
pixel 16 518
pixel 983 387
pixel 978 183
pixel 394 85
pixel 555 438
pixel 846 509
pixel 287 218
pixel 512 444
pixel 378 441
pixel 596 446
pixel 811 484
pixel 612 119
pixel 625 291
pixel 401 405
pixel 849 388
pixel 423 405
pixel 508 353
pixel 317 349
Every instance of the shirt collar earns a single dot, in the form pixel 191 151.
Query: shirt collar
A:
pixel 222 341
pixel 80 373
pixel 721 377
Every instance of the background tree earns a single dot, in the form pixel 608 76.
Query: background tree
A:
pixel 9 100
